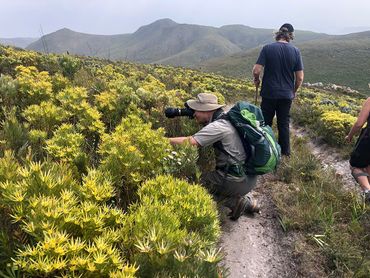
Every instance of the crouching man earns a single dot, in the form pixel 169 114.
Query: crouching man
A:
pixel 228 183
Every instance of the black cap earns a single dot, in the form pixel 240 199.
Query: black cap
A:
pixel 287 27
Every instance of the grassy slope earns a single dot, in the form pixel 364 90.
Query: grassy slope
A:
pixel 343 60
pixel 334 222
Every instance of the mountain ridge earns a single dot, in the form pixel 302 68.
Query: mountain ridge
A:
pixel 229 50
pixel 162 41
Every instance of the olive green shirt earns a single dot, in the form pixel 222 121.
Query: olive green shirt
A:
pixel 222 130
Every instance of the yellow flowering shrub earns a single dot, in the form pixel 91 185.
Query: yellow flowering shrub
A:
pixel 74 100
pixel 10 58
pixel 329 115
pixel 44 116
pixel 34 86
pixel 59 82
pixel 110 73
pixel 134 151
pixel 69 231
pixel 176 227
pixel 85 135
pixel 66 145
pixel 335 126
pixel 115 102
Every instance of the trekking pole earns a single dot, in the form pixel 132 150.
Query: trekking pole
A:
pixel 256 97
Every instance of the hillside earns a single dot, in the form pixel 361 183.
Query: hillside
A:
pixel 18 42
pixel 343 60
pixel 163 41
pixel 65 40
pixel 91 187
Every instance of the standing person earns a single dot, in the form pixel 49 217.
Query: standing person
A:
pixel 360 156
pixel 228 182
pixel 283 75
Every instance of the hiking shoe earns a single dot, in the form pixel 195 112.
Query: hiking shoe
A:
pixel 251 206
pixel 238 209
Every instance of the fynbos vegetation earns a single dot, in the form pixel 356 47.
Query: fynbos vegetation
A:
pixel 89 185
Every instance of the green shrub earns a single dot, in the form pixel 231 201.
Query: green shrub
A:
pixel 176 228
pixel 73 100
pixel 37 140
pixel 34 86
pixel 8 92
pixel 133 152
pixel 70 231
pixel 59 82
pixel 181 162
pixel 14 134
pixel 67 146
pixel 115 102
pixel 69 65
pixel 334 126
pixel 44 116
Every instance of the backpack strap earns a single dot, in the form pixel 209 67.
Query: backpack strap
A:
pixel 236 169
pixel 233 169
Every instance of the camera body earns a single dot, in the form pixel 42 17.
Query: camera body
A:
pixel 172 112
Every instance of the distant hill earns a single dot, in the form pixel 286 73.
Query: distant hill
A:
pixel 18 42
pixel 65 40
pixel 163 41
pixel 229 50
pixel 343 60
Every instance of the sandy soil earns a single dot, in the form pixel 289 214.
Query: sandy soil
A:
pixel 256 246
pixel 330 159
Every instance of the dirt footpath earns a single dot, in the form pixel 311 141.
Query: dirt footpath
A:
pixel 256 246
pixel 329 159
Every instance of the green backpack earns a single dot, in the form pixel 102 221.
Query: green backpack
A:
pixel 262 150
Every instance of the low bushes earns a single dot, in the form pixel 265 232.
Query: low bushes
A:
pixel 85 185
pixel 175 228
pixel 334 220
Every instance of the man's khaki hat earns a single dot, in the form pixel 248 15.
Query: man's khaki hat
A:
pixel 204 102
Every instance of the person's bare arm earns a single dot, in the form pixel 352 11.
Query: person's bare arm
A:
pixel 361 120
pixel 181 140
pixel 299 75
pixel 256 71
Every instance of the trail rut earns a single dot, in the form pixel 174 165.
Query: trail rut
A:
pixel 256 246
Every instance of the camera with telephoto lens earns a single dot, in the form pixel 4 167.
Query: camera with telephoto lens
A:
pixel 172 112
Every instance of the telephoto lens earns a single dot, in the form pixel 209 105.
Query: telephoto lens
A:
pixel 172 112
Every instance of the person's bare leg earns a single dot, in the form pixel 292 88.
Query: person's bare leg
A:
pixel 368 171
pixel 361 177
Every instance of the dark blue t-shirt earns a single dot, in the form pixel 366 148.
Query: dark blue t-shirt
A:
pixel 280 61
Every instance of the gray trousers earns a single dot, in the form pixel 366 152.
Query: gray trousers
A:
pixel 227 189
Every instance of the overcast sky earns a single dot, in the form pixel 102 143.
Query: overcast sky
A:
pixel 26 18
